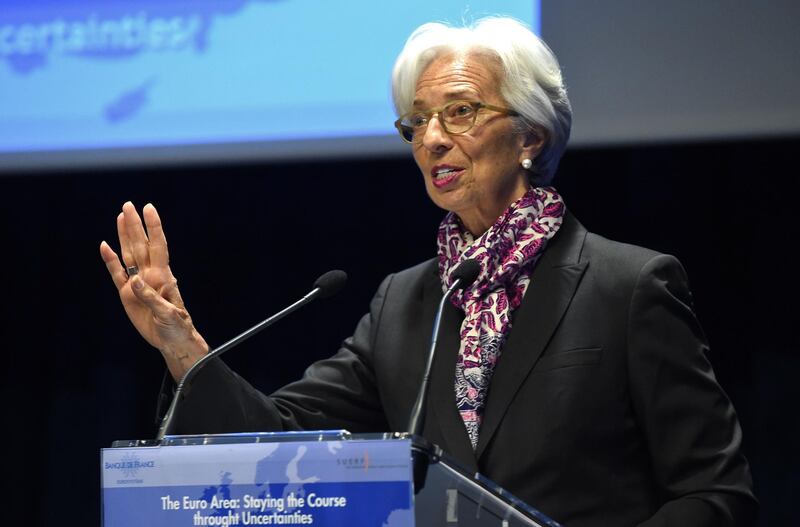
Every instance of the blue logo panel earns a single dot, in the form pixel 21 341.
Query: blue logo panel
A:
pixel 278 483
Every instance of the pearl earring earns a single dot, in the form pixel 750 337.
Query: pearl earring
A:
pixel 527 164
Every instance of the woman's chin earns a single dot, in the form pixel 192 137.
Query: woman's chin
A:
pixel 451 200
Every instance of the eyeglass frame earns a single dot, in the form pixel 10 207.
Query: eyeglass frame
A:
pixel 476 105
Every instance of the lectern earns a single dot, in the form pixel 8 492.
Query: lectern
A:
pixel 300 478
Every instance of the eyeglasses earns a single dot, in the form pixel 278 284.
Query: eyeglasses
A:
pixel 456 118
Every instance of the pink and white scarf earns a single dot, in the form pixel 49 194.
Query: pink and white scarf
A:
pixel 507 253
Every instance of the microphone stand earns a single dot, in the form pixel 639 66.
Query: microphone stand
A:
pixel 417 419
pixel 326 285
pixel 465 274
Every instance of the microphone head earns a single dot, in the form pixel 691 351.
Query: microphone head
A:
pixel 330 283
pixel 467 271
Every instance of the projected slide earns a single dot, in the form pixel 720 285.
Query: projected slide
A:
pixel 93 74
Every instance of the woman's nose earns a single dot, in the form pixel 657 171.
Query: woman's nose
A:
pixel 436 137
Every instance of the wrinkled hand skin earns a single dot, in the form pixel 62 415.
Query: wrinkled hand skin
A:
pixel 151 298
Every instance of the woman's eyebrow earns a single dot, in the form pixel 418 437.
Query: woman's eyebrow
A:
pixel 454 95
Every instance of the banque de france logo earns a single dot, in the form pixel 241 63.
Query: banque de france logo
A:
pixel 129 465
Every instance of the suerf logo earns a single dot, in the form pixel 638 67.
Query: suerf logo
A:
pixel 350 462
pixel 130 465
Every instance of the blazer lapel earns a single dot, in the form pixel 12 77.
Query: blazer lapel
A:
pixel 553 284
pixel 442 411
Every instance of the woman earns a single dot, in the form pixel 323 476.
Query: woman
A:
pixel 573 370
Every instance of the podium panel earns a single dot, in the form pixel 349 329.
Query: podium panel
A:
pixel 299 478
pixel 295 481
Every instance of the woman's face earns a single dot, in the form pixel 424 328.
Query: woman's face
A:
pixel 477 174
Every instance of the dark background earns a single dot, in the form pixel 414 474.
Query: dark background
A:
pixel 247 239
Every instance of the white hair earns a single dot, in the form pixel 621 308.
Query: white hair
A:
pixel 531 78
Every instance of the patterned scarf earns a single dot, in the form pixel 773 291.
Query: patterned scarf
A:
pixel 507 253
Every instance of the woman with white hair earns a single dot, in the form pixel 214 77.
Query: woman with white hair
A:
pixel 572 371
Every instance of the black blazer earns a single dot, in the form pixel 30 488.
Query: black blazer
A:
pixel 603 409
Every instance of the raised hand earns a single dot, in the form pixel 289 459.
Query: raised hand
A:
pixel 151 297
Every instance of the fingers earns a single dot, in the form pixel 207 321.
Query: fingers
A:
pixel 171 293
pixel 124 243
pixel 162 309
pixel 137 239
pixel 159 255
pixel 115 269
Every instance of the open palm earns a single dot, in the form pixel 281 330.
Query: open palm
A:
pixel 151 297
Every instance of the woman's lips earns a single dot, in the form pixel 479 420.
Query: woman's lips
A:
pixel 444 175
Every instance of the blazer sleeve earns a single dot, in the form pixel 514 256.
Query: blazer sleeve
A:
pixel 336 393
pixel 687 420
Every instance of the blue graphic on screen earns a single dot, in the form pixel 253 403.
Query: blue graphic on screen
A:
pixel 92 74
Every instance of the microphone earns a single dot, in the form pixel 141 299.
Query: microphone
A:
pixel 465 274
pixel 325 286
